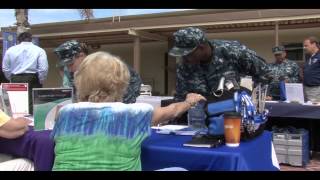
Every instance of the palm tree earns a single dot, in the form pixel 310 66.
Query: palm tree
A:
pixel 22 20
pixel 86 13
pixel 23 24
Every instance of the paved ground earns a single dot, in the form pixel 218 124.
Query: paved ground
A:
pixel 314 165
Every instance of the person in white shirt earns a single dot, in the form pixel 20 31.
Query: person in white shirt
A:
pixel 26 63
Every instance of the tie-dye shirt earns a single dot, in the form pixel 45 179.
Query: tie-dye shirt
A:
pixel 101 136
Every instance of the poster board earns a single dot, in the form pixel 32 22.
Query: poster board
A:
pixel 46 105
pixel 15 99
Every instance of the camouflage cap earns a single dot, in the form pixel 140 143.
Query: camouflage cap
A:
pixel 278 49
pixel 67 51
pixel 187 40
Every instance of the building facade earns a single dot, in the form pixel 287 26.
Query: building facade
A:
pixel 143 41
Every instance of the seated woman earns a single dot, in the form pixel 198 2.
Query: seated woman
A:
pixel 11 128
pixel 100 132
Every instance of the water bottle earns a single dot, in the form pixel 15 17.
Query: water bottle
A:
pixel 197 117
pixel 282 88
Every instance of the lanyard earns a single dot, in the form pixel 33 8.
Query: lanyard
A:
pixel 245 106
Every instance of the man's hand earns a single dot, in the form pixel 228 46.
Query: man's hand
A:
pixel 193 98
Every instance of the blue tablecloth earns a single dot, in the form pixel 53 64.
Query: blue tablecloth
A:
pixel 161 151
pixel 298 115
pixel 293 110
pixel 158 151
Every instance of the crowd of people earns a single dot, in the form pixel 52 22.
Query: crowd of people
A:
pixel 107 87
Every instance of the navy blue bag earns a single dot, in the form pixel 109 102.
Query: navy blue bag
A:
pixel 220 107
pixel 252 124
pixel 216 125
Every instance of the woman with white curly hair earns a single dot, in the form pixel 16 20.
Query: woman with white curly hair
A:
pixel 100 132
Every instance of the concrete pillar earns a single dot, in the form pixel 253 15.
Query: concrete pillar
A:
pixel 136 54
pixel 276 33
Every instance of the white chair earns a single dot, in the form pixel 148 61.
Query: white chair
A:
pixel 145 90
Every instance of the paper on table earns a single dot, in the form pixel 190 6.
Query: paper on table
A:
pixel 272 101
pixel 169 127
pixel 174 129
pixel 294 92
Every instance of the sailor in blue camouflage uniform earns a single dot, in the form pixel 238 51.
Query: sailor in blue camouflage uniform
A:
pixel 72 53
pixel 204 62
pixel 282 69
pixel 133 90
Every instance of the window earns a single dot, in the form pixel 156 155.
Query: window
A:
pixel 294 51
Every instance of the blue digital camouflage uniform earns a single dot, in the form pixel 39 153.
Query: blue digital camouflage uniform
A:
pixel 230 60
pixel 287 70
pixel 133 90
pixel 66 78
pixel 66 53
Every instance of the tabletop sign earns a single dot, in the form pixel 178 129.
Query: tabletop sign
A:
pixel 46 105
pixel 294 92
pixel 18 98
